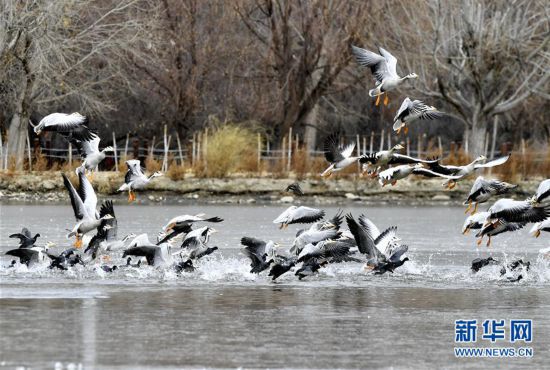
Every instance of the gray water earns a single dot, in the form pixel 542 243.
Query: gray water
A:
pixel 223 316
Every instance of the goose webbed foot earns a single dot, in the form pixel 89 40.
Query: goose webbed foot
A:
pixel 475 210
pixel 78 242
pixel 469 207
pixel 489 242
pixel 406 129
pixel 480 240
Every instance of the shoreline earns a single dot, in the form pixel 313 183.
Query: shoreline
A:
pixel 47 188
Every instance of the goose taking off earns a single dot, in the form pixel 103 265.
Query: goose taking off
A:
pixel 382 250
pixel 156 255
pixel 495 228
pixel 26 240
pixel 281 265
pixel 188 220
pixel 384 68
pixel 540 226
pixel 84 203
pixel 310 267
pixel 339 157
pixel 543 193
pixel 510 210
pixel 295 189
pixel 413 110
pixel 258 252
pixel 483 189
pixel 474 222
pixel 90 153
pixel 464 171
pixel 298 215
pixel 479 263
pixel 31 256
pixel 135 179
pixel 198 237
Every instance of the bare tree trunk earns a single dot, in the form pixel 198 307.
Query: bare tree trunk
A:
pixel 17 136
pixel 475 136
pixel 311 128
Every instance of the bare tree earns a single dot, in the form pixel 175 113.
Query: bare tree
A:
pixel 481 57
pixel 69 53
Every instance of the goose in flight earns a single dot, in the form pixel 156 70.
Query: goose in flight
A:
pixel 384 68
pixel 258 252
pixel 339 157
pixel 198 237
pixel 84 203
pixel 510 210
pixel 70 126
pixel 90 153
pixel 540 226
pixel 491 229
pixel 26 240
pixel 543 193
pixel 391 175
pixel 474 222
pixel 413 110
pixel 295 189
pixel 384 158
pixel 188 220
pixel 312 236
pixel 483 189
pixel 298 215
pixel 466 170
pixel 135 179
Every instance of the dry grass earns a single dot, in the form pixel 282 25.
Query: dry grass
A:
pixel 229 149
pixel 175 171
pixel 152 165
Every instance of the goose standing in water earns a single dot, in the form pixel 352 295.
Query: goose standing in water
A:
pixel 543 193
pixel 464 171
pixel 483 189
pixel 298 215
pixel 26 240
pixel 339 157
pixel 135 179
pixel 84 203
pixel 413 110
pixel 384 68
pixel 540 226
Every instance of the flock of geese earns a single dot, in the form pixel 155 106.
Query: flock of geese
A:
pixel 186 238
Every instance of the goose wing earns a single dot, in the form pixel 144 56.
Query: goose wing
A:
pixel 306 215
pixel 385 240
pixel 437 167
pixel 108 209
pixel 145 251
pixel 325 249
pixel 71 126
pixel 365 244
pixel 398 252
pixel 334 153
pixel 134 171
pixel 424 111
pixel 378 64
pixel 254 246
pixel 404 110
pixel 429 173
pixel 493 163
pixel 87 147
pixel 87 194
pixel 398 159
pixel 369 226
pixel 391 62
pixel 79 209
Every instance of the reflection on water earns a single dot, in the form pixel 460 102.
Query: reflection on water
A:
pixel 222 316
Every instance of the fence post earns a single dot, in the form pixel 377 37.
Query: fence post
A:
pixel 205 148
pixel 358 140
pixel 494 138
pixel 1 152
pixel 164 166
pixel 135 146
pixel 115 152
pixel 408 147
pixel 382 140
pixel 284 153
pixel 259 152
pixel 70 154
pixel 371 141
pixel 389 140
pixel 126 146
pixel 440 147
pixel 364 151
pixel 419 146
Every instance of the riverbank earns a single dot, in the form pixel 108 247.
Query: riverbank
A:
pixel 47 187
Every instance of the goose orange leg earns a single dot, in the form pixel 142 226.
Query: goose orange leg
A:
pixel 386 99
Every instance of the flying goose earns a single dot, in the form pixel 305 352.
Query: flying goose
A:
pixel 494 228
pixel 543 193
pixel 474 222
pixel 393 174
pixel 326 250
pixel 135 179
pixel 70 126
pixel 384 68
pixel 510 210
pixel 258 252
pixel 26 240
pixel 383 252
pixel 466 170
pixel 483 189
pixel 84 202
pixel 382 159
pixel 312 236
pixel 413 110
pixel 90 153
pixel 295 189
pixel 540 226
pixel 298 215
pixel 198 237
pixel 339 157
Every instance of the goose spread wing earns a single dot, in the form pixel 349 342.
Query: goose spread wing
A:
pixel 378 64
pixel 88 196
pixel 399 159
pixel 306 215
pixel 493 163
pixel 391 62
pixel 76 202
pixel 365 244
pixel 334 153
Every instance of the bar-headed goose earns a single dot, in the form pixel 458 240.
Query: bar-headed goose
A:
pixel 135 179
pixel 510 210
pixel 31 256
pixel 90 153
pixel 498 227
pixel 259 252
pixel 483 189
pixel 84 203
pixel 391 175
pixel 384 68
pixel 338 156
pixel 26 240
pixel 540 226
pixel 156 255
pixel 70 126
pixel 374 162
pixel 299 215
pixel 543 193
pixel 413 110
